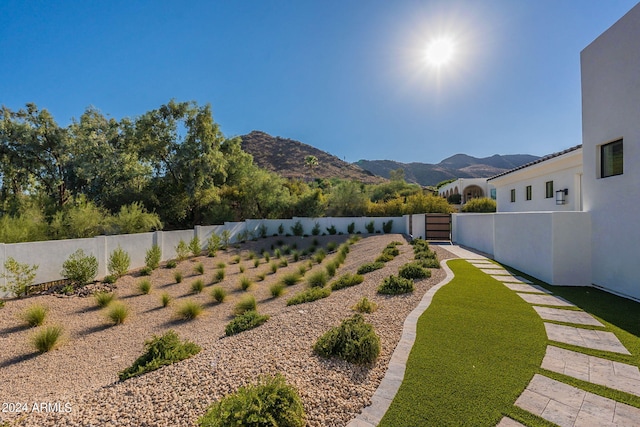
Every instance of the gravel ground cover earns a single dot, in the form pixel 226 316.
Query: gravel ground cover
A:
pixel 81 376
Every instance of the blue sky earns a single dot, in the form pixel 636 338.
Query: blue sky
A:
pixel 345 76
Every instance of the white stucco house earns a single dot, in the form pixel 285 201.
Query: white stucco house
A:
pixel 467 188
pixel 593 236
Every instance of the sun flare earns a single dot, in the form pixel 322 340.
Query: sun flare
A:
pixel 440 51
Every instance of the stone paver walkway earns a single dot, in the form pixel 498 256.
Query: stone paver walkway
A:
pixel 511 279
pixel 567 316
pixel 599 340
pixel 522 287
pixel 545 300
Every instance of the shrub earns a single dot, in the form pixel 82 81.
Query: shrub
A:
pixel 309 295
pixel 332 230
pixel 197 286
pixel 110 279
pixel 213 244
pixel 277 289
pixel 152 257
pixel 274 267
pixel 261 276
pixel 351 228
pixel 172 263
pixel 331 246
pixel 297 229
pixel 320 256
pixel 245 283
pixel 387 226
pixel 47 338
pixel 194 246
pixel 370 226
pixel 266 256
pixel 118 313
pixel 182 250
pixel 331 269
pixel 413 270
pixel 225 239
pixel 103 298
pixel 177 276
pixel 271 402
pixel 189 310
pixel 221 265
pixel 425 254
pixel 144 286
pixel 245 321
pixel 262 231
pixel 19 276
pixel 256 262
pixel 281 229
pixel 235 259
pixel 302 269
pixel 291 279
pixel 34 315
pixel 165 299
pixel 316 229
pixel 384 258
pixel 354 341
pixel 81 269
pixel 481 205
pixel 283 262
pixel 246 303
pixel 391 250
pixel 1 303
pixel 429 263
pixel 218 294
pixel 146 271
pixel 160 351
pixel 346 281
pixel 199 268
pixel 365 306
pixel 277 253
pixel 393 285
pixel 119 262
pixel 317 279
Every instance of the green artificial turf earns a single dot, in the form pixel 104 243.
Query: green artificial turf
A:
pixel 477 347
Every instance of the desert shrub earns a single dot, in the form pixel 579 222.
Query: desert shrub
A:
pixel 384 258
pixel 1 303
pixel 245 321
pixel 320 256
pixel 245 283
pixel 302 269
pixel 274 267
pixel 256 262
pixel 165 299
pixel 246 303
pixel 267 256
pixel 144 286
pixel 316 229
pixel 199 268
pixel 160 351
pixel 351 228
pixel 103 298
pixel 413 270
pixel 182 250
pixel 261 276
pixel 480 205
pixel 271 402
pixel 370 226
pixel 19 276
pixel 172 263
pixel 420 244
pixel 277 289
pixel 177 276
pixel 291 279
pixel 365 306
pixel 297 229
pixel 109 279
pixel 283 262
pixel 354 341
pixel 189 310
pixel 281 229
pixel 236 259
pixel 425 254
pixel 194 246
pixel 262 231
pixel 221 265
pixel 331 246
pixel 394 285
pixel 46 339
pixel 309 295
pixel 119 262
pixel 197 286
pixel 391 250
pixel 117 312
pixel 317 279
pixel 429 263
pixel 218 294
pixel 296 256
pixel 34 315
pixel 369 267
pixel 225 239
pixel 146 271
pixel 387 226
pixel 332 230
pixel 152 257
pixel 213 244
pixel 331 268
pixel 346 281
pixel 219 276
pixel 277 253
pixel 81 269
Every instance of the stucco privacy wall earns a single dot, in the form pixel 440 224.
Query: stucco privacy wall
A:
pixel 611 111
pixel 552 246
pixel 50 255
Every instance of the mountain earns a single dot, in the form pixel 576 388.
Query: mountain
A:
pixel 286 157
pixel 456 166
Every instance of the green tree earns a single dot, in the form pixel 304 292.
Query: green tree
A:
pixel 347 199
pixel 482 205
pixel 311 162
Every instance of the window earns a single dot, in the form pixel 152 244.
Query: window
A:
pixel 548 189
pixel 513 195
pixel 528 191
pixel 611 162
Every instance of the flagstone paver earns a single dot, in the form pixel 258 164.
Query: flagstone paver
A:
pixel 599 340
pixel 545 300
pixel 495 271
pixel 508 422
pixel 596 370
pixel 511 279
pixel 523 287
pixel 567 316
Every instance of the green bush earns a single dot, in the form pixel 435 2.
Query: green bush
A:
pixel 429 263
pixel 414 270
pixel 160 351
pixel 219 277
pixel 331 269
pixel 394 285
pixel 317 279
pixel 152 257
pixel 351 228
pixel 320 256
pixel 370 226
pixel 309 295
pixel 332 230
pixel 354 341
pixel 235 260
pixel 262 230
pixel 368 268
pixel 146 271
pixel 34 315
pixel 246 303
pixel 425 254
pixel 271 402
pixel 276 289
pixel 316 229
pixel 274 267
pixel 331 246
pixel 81 269
pixel 199 268
pixel 118 313
pixel 391 250
pixel 189 310
pixel 291 279
pixel 194 246
pixel 281 229
pixel 346 281
pixel 256 262
pixel 245 321
pixel 197 286
pixel 218 294
pixel 177 276
pixel 225 239
pixel 245 283
pixel 384 258
pixel 103 298
pixel 19 276
pixel 297 229
pixel 172 263
pixel 165 299
pixel 110 279
pixel 480 205
pixel 213 244
pixel 387 226
pixel 365 306
pixel 119 262
pixel 144 286
pixel 182 250
pixel 47 339
pixel 283 262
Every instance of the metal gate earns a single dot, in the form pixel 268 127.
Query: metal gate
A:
pixel 437 226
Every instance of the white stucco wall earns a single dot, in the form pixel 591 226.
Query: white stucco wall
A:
pixel 476 230
pixel 460 186
pixel 610 69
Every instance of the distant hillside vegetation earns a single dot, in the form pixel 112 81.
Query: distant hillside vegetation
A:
pixel 456 166
pixel 286 157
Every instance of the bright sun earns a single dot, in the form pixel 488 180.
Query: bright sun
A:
pixel 440 51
